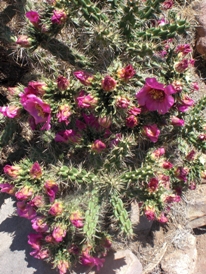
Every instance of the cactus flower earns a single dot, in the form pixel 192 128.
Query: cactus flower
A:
pixel 175 121
pixel 98 146
pixel 39 110
pixel 12 171
pixel 167 4
pixel 10 111
pixel 86 100
pixel 181 173
pixel 150 212
pixel 58 17
pixel 122 102
pixel 40 254
pixel 76 219
pixel 156 96
pixel 39 225
pixel 84 77
pixel 56 208
pixel 167 165
pixel 108 83
pixel 51 188
pixel 35 240
pixel 126 73
pixel 68 135
pixel 63 266
pixel 35 88
pixel 24 193
pixel 64 113
pixel 185 103
pixel 104 122
pixel 182 66
pixel 58 234
pixel 88 260
pixel 24 41
pixel 195 86
pixel 152 132
pixel 157 153
pixel 33 17
pixel 184 49
pixel 62 83
pixel 7 188
pixel 191 155
pixel 152 185
pixel 37 201
pixel 35 171
pixel 25 210
pixel 132 121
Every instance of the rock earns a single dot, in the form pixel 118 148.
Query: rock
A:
pixel 121 262
pixel 199 8
pixel 181 261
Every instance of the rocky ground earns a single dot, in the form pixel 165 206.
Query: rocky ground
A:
pixel 175 248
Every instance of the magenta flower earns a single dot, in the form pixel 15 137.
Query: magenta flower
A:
pixel 152 132
pixel 191 155
pixel 108 83
pixel 25 210
pixel 86 100
pixel 84 77
pixel 12 171
pixel 184 49
pixel 150 212
pixel 175 121
pixel 195 86
pixel 7 188
pixel 58 234
pixel 162 218
pixel 24 41
pixel 40 254
pixel 64 114
pixel 177 86
pixel 104 122
pixel 98 146
pixel 39 225
pixel 68 135
pixel 126 73
pixel 182 65
pixel 156 96
pixel 63 266
pixel 185 103
pixel 35 240
pixel 122 102
pixel 181 173
pixel 192 186
pixel 33 17
pixel 152 185
pixel 62 83
pixel 134 111
pixel 35 171
pixel 76 219
pixel 167 4
pixel 24 193
pixel 35 88
pixel 86 259
pixel 56 208
pixel 132 121
pixel 58 17
pixel 167 165
pixel 157 153
pixel 37 201
pixel 39 110
pixel 10 111
pixel 51 188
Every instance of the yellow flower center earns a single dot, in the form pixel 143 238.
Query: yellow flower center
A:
pixel 157 94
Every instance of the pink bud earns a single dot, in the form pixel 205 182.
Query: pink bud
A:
pixel 108 83
pixel 98 146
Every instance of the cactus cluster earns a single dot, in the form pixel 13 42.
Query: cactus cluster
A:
pixel 101 124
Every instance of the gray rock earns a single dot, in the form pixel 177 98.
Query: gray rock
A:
pixel 181 261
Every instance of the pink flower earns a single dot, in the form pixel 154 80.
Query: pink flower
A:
pixel 62 83
pixel 84 77
pixel 184 49
pixel 35 240
pixel 10 111
pixel 58 234
pixel 76 219
pixel 167 4
pixel 35 88
pixel 122 102
pixel 58 17
pixel 108 83
pixel 195 86
pixel 175 121
pixel 24 193
pixel 24 41
pixel 40 254
pixel 63 265
pixel 167 165
pixel 56 209
pixel 98 146
pixel 7 188
pixel 202 137
pixel 182 65
pixel 192 186
pixel 181 173
pixel 39 225
pixel 162 22
pixel 157 153
pixel 12 171
pixel 132 121
pixel 39 110
pixel 86 100
pixel 86 259
pixel 33 17
pixel 37 201
pixel 185 103
pixel 173 198
pixel 104 122
pixel 134 111
pixel 150 212
pixel 35 171
pixel 68 135
pixel 178 86
pixel 156 96
pixel 64 114
pixel 126 73
pixel 152 132
pixel 162 218
pixel 51 189
pixel 191 155
pixel 116 140
pixel 25 210
pixel 152 185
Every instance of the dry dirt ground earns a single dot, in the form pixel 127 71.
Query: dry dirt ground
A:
pixel 154 240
